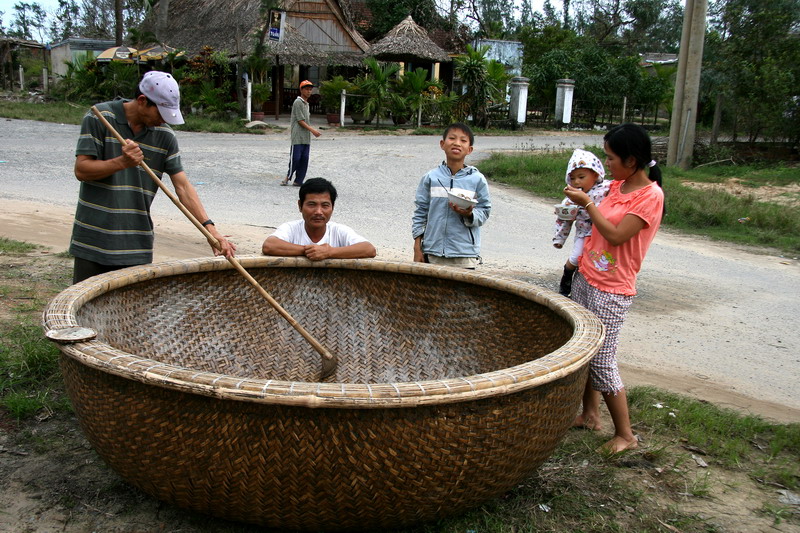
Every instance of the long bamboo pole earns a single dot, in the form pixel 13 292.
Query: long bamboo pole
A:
pixel 329 361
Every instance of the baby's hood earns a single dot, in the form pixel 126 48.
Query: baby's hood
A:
pixel 583 159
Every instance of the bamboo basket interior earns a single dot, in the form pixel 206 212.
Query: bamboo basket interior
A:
pixel 384 326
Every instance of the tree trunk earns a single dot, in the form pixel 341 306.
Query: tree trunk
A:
pixel 118 22
pixel 717 119
pixel 162 17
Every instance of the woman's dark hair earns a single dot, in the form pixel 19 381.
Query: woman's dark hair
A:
pixel 317 186
pixel 631 140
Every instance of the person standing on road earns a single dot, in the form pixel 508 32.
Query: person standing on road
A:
pixel 112 227
pixel 301 131
pixel 444 233
pixel 625 224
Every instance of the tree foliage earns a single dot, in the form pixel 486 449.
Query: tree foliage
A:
pixel 760 81
pixel 73 18
pixel 481 83
pixel 386 14
pixel 29 21
pixel 377 87
pixel 602 79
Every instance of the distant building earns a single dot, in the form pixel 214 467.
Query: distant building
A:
pixel 508 53
pixel 74 48
pixel 654 58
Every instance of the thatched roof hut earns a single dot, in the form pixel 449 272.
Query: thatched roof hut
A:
pixel 408 41
pixel 321 33
pixel 295 49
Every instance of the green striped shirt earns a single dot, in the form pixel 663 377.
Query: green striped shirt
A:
pixel 112 221
pixel 300 111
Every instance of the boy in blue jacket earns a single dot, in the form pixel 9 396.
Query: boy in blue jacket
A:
pixel 444 233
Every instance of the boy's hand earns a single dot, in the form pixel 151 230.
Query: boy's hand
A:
pixel 419 257
pixel 462 211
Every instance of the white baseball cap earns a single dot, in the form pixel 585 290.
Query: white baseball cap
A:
pixel 162 89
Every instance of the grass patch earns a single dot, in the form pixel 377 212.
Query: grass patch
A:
pixel 59 112
pixel 16 247
pixel 711 213
pixel 210 125
pixel 29 376
pixel 73 113
pixel 30 380
pixel 771 453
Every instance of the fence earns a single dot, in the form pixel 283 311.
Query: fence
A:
pixel 586 115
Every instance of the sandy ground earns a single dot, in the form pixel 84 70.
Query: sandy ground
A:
pixel 49 225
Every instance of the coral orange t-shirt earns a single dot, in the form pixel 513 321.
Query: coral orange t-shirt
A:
pixel 614 268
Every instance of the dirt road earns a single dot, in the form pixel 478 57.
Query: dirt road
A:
pixel 715 321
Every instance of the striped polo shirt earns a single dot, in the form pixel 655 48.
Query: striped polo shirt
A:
pixel 112 221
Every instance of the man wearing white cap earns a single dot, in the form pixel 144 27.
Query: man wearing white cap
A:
pixel 112 227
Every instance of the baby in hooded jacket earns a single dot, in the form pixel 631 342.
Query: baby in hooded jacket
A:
pixel 585 172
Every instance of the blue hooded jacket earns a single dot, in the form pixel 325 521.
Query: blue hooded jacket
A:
pixel 446 234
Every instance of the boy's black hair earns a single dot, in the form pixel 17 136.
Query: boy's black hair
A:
pixel 631 140
pixel 317 186
pixel 460 126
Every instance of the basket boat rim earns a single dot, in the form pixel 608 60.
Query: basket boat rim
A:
pixel 587 337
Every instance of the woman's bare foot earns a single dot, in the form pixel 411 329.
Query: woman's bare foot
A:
pixel 587 422
pixel 619 444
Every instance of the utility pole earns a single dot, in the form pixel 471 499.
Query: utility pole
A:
pixel 687 85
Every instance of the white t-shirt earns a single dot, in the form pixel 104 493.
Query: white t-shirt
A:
pixel 337 235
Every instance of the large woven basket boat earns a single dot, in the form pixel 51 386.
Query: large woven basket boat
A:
pixel 451 387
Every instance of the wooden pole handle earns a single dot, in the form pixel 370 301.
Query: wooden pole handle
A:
pixel 329 361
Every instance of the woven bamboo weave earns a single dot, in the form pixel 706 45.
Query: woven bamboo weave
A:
pixel 451 386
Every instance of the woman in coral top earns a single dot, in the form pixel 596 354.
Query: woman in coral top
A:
pixel 624 226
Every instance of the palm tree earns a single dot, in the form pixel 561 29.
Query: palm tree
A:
pixel 377 88
pixel 413 85
pixel 473 70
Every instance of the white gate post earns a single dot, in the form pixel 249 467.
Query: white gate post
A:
pixel 518 107
pixel 564 91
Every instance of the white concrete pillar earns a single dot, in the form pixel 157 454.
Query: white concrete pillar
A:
pixel 249 100
pixel 342 104
pixel 435 72
pixel 564 90
pixel 518 107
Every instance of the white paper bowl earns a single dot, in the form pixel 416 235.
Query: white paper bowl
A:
pixel 460 201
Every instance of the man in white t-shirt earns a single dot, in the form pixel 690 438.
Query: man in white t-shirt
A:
pixel 314 236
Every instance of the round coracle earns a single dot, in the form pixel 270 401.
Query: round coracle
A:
pixel 451 386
